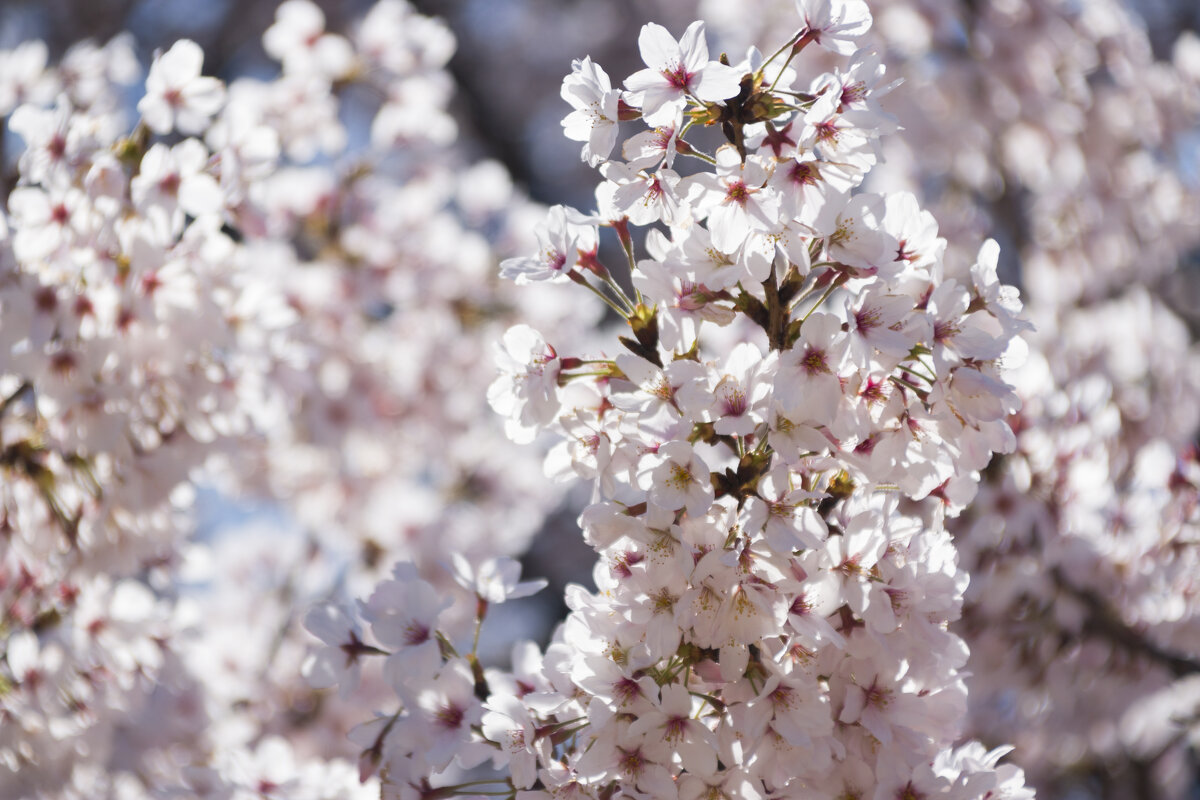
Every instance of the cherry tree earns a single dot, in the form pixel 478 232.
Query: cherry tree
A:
pixel 865 518
pixel 217 288
pixel 801 399
pixel 1081 545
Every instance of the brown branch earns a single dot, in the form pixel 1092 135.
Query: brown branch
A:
pixel 1104 622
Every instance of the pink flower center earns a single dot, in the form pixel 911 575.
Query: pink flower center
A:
pixel 803 173
pixel 450 716
pixel 416 633
pixel 676 727
pixel 692 297
pixel 904 254
pixel 865 446
pixel 555 259
pixel 878 696
pixel 814 362
pixel 853 93
pixel 737 193
pixel 45 300
pixel 782 696
pixel 733 401
pixel 678 77
pixel 631 762
pixel 943 330
pixel 62 363
pixel 151 283
pixel 874 391
pixel 827 131
pixel 867 318
pixel 654 190
pixel 626 690
pixel 800 606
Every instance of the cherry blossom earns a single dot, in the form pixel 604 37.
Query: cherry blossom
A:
pixel 835 24
pixel 177 96
pixel 676 70
pixel 767 614
pixel 597 108
pixel 853 498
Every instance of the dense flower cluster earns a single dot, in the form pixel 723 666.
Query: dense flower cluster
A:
pixel 775 583
pixel 823 412
pixel 1053 125
pixel 230 292
pixel 383 262
pixel 115 298
pixel 1085 550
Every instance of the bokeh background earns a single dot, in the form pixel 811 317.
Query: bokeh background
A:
pixel 1103 93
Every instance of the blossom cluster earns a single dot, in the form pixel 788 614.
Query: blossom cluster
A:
pixel 802 397
pixel 215 294
pixel 822 413
pixel 1084 546
pixel 1055 126
pixel 115 298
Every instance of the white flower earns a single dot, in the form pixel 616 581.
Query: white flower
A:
pixel 671 721
pixel 448 710
pixel 563 239
pixel 785 515
pixel 813 191
pixel 684 302
pixel 507 722
pixel 404 614
pixel 859 240
pixel 336 664
pixel 677 70
pixel 176 178
pixel 177 97
pixel 875 325
pixel 299 40
pixel 526 391
pixel 735 199
pixel 808 383
pixel 680 479
pixel 835 24
pixel 741 391
pixel 651 148
pixel 644 197
pixel 495 580
pixel 595 104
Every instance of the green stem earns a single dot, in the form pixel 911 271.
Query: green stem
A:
pixel 837 284
pixel 475 641
pixel 444 645
pixel 702 156
pixel 804 98
pixel 616 287
pixel 798 45
pixel 922 393
pixel 627 246
pixel 573 375
pixel 802 297
pixel 908 367
pixel 607 301
pixel 790 43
